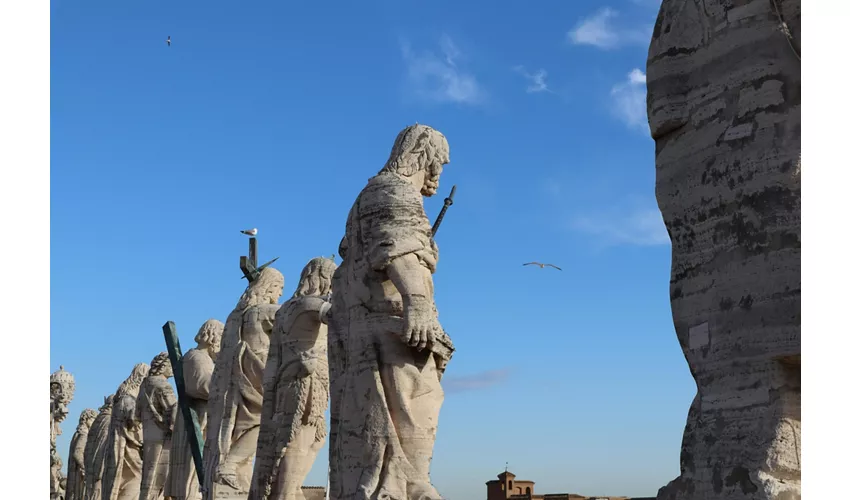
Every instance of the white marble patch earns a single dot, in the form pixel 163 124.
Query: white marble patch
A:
pixel 698 336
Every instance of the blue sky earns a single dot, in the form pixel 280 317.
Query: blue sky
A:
pixel 274 114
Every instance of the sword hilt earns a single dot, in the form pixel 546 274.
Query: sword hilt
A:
pixel 448 201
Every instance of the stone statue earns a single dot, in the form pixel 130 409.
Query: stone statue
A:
pixel 198 364
pixel 336 367
pixel 723 98
pixel 295 389
pixel 76 484
pixel 156 409
pixel 95 451
pixel 236 391
pixel 62 388
pixel 122 476
pixel 395 349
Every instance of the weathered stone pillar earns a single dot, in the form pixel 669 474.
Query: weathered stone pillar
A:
pixel 723 82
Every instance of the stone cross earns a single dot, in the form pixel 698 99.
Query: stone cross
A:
pixel 175 354
pixel 248 264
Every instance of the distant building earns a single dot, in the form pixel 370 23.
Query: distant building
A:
pixel 508 486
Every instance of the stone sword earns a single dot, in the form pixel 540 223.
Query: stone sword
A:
pixel 446 204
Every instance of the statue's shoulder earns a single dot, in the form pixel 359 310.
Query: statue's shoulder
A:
pixel 293 308
pixel 195 355
pixel 267 308
pixel 388 191
pixel 310 303
pixel 388 183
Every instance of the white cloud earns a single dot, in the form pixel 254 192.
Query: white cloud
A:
pixel 476 381
pixel 643 227
pixel 536 80
pixel 439 77
pixel 629 100
pixel 599 31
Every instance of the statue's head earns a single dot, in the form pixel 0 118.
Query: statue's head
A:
pixel 316 278
pixel 86 418
pixel 209 336
pixel 107 402
pixel 419 150
pixel 125 407
pixel 132 383
pixel 62 387
pixel 266 289
pixel 161 365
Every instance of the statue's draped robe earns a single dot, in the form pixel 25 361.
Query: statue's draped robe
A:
pixel 336 369
pixel 182 480
pixel 155 407
pixel 123 475
pixel 57 413
pixel 391 394
pixel 236 395
pixel 95 454
pixel 296 397
pixel 76 487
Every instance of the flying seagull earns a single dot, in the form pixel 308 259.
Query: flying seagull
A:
pixel 168 41
pixel 541 266
pixel 249 232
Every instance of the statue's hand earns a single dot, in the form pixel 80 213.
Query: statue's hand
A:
pixel 307 367
pixel 420 321
pixel 325 312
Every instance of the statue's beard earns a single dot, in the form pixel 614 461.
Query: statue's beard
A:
pixel 432 183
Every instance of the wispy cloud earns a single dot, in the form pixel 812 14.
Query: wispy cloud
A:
pixel 599 30
pixel 476 381
pixel 536 80
pixel 552 187
pixel 629 100
pixel 440 77
pixel 642 227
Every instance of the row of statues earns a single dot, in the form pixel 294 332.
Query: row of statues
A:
pixel 362 338
pixel 62 387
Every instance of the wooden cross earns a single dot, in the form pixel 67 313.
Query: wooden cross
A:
pixel 248 265
pixel 190 417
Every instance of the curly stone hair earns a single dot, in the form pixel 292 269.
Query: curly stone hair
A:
pixel 316 278
pixel 140 371
pixel 160 364
pixel 210 332
pixel 416 148
pixel 266 289
pixel 86 418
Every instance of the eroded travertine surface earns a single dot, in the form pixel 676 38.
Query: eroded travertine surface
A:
pixel 394 349
pixel 95 451
pixel 62 388
pixel 156 409
pixel 295 394
pixel 198 364
pixel 236 391
pixel 76 485
pixel 724 108
pixel 122 477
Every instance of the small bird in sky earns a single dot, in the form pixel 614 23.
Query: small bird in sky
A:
pixel 541 266
pixel 168 41
pixel 249 232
